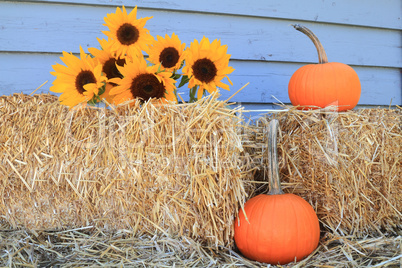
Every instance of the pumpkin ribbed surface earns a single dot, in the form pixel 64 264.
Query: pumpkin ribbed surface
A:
pixel 280 229
pixel 325 84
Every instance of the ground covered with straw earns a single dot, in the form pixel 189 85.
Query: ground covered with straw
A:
pixel 155 186
pixel 93 247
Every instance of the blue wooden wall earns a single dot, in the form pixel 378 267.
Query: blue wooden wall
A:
pixel 265 49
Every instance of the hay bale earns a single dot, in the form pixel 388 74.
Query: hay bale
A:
pixel 347 165
pixel 181 169
pixel 173 169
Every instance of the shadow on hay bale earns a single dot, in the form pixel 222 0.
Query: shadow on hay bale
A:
pixel 347 165
pixel 171 169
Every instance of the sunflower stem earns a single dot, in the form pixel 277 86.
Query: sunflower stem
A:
pixel 193 92
pixel 177 97
pixel 274 179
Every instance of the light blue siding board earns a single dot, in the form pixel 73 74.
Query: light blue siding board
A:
pixel 265 49
pixel 268 80
pixel 24 72
pixel 374 13
pixel 45 27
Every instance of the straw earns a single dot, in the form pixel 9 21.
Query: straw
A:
pixel 347 165
pixel 44 83
pixel 91 246
pixel 148 185
pixel 234 94
pixel 162 169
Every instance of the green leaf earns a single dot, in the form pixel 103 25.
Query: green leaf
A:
pixel 181 65
pixel 160 69
pixel 96 98
pixel 176 76
pixel 102 89
pixel 93 101
pixel 184 80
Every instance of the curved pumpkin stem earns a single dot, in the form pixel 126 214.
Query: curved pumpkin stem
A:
pixel 274 179
pixel 322 56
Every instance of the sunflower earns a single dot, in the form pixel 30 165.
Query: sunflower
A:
pixel 109 60
pixel 79 81
pixel 143 82
pixel 127 33
pixel 206 65
pixel 167 51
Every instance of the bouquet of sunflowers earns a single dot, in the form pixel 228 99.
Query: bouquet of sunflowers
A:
pixel 119 71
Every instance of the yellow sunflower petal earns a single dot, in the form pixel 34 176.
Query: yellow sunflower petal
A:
pixel 200 93
pixel 121 98
pixel 133 13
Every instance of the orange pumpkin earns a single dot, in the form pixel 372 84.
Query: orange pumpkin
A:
pixel 276 228
pixel 324 84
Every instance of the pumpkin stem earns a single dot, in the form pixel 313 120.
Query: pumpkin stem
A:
pixel 274 179
pixel 322 56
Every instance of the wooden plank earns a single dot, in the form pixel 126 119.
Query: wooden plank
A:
pixel 44 27
pixel 24 72
pixel 374 13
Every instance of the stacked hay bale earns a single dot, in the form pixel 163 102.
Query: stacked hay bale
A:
pixel 347 165
pixel 186 169
pixel 151 169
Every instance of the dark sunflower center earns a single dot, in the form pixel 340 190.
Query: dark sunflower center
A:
pixel 110 69
pixel 204 70
pixel 169 57
pixel 147 86
pixel 83 78
pixel 127 34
